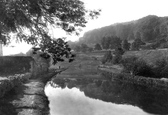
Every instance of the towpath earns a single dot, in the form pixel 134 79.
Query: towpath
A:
pixel 27 98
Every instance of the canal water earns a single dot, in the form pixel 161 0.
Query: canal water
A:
pixel 101 97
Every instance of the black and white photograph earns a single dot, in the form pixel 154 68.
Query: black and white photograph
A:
pixel 83 57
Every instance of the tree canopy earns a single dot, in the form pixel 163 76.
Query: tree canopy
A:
pixel 35 16
pixel 149 29
pixel 97 47
pixel 110 42
pixel 125 45
pixel 136 44
pixel 30 20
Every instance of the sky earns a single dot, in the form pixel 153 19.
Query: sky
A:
pixel 113 11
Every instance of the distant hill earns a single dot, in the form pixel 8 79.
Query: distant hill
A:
pixel 149 29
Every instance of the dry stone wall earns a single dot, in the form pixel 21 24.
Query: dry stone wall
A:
pixel 11 82
pixel 17 69
pixel 10 65
pixel 147 81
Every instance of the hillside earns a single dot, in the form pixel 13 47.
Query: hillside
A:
pixel 150 56
pixel 150 29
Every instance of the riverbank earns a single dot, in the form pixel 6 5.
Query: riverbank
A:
pixel 111 74
pixel 28 97
pixel 110 85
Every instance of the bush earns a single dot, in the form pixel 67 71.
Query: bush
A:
pixel 116 59
pixel 161 68
pixel 107 57
pixel 137 66
pixel 118 55
pixel 128 63
pixel 141 68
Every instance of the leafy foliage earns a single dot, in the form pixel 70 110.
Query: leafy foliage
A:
pixel 36 16
pixel 58 49
pixel 149 29
pixel 90 49
pixel 125 45
pixel 107 57
pixel 30 21
pixel 97 47
pixel 161 67
pixel 110 42
pixel 137 66
pixel 136 44
pixel 118 52
pixel 84 48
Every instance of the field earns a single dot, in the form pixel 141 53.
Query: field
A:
pixel 83 66
pixel 86 65
pixel 150 56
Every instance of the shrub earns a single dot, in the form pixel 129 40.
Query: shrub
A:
pixel 161 68
pixel 137 66
pixel 116 59
pixel 141 68
pixel 118 55
pixel 128 63
pixel 125 45
pixel 107 57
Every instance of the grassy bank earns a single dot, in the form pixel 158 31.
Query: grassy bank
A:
pixel 150 56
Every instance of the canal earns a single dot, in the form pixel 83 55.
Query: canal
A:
pixel 87 96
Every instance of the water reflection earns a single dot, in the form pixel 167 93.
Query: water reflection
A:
pixel 74 102
pixel 150 99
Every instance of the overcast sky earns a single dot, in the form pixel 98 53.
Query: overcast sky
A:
pixel 113 11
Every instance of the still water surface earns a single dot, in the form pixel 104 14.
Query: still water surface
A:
pixel 66 101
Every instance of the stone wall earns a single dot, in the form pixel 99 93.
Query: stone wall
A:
pixel 11 82
pixel 10 65
pixel 22 96
pixel 147 81
pixel 17 69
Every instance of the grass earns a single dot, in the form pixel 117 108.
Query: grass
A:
pixel 86 65
pixel 83 66
pixel 150 56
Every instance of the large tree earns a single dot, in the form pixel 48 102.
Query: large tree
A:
pixel 136 44
pixel 111 42
pixel 125 45
pixel 105 42
pixel 115 42
pixel 30 21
